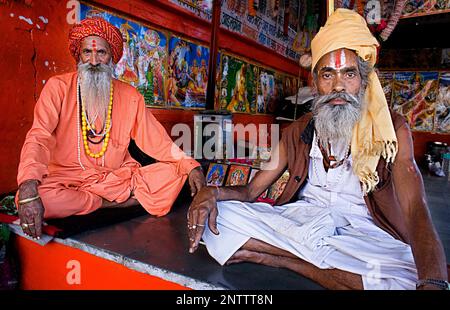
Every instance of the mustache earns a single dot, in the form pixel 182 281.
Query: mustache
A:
pixel 347 97
pixel 98 68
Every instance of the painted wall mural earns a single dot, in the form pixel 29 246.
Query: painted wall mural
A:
pixel 386 78
pixel 266 95
pixel 442 118
pixel 238 85
pixel 286 27
pixel 170 71
pixel 422 97
pixel 422 7
pixel 143 63
pixel 246 87
pixel 188 74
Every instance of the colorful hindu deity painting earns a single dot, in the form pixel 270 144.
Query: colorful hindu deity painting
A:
pixel 188 74
pixel 418 7
pixel 442 117
pixel 414 96
pixel 386 78
pixel 238 175
pixel 278 187
pixel 144 56
pixel 266 96
pixel 238 85
pixel 216 174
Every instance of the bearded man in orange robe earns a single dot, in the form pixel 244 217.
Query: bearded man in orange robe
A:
pixel 75 158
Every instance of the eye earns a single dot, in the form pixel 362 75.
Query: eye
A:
pixel 102 52
pixel 327 75
pixel 351 74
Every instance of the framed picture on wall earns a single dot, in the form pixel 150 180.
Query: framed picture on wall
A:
pixel 238 175
pixel 253 173
pixel 143 64
pixel 277 188
pixel 188 73
pixel 216 174
pixel 237 85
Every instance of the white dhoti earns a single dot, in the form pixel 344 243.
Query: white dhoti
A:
pixel 327 228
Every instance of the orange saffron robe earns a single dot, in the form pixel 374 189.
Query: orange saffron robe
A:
pixel 53 150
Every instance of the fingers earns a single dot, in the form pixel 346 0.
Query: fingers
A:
pixel 24 222
pixel 199 184
pixel 192 227
pixel 38 225
pixel 212 221
pixel 196 224
pixel 192 186
pixel 198 233
pixel 25 228
pixel 196 181
pixel 31 216
pixel 196 186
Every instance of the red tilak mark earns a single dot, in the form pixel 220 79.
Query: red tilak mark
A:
pixel 337 63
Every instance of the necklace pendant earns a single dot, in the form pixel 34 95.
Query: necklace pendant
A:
pixel 332 158
pixel 347 164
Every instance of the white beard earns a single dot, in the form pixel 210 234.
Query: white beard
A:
pixel 95 83
pixel 336 122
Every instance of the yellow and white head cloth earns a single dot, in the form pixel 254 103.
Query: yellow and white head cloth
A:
pixel 374 135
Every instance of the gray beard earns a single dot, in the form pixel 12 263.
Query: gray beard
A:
pixel 95 89
pixel 336 122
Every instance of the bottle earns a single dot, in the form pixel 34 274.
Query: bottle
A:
pixel 446 165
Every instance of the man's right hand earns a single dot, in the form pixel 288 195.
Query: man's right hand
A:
pixel 202 207
pixel 31 214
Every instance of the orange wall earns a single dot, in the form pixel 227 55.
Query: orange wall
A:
pixel 25 51
pixel 32 53
pixel 48 267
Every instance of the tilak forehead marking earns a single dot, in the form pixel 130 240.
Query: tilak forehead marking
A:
pixel 336 62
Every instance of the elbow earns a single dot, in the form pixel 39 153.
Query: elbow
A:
pixel 250 194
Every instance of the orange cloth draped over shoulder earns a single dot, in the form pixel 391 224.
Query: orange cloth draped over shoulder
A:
pixel 53 151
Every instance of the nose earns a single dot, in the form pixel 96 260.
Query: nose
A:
pixel 93 60
pixel 338 85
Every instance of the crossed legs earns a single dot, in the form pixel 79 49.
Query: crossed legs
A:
pixel 259 252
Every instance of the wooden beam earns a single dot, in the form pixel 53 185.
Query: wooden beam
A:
pixel 215 24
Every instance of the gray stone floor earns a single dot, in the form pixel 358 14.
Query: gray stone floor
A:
pixel 159 246
pixel 438 198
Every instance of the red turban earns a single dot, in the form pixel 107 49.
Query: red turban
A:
pixel 96 27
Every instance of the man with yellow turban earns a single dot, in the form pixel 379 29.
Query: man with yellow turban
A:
pixel 353 214
pixel 75 158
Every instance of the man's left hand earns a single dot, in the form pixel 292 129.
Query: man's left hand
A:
pixel 196 180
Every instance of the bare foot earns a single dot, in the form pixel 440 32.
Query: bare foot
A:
pixel 112 204
pixel 253 257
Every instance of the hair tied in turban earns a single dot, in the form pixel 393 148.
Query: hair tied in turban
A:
pixel 96 26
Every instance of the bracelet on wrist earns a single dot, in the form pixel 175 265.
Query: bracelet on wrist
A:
pixel 442 284
pixel 28 200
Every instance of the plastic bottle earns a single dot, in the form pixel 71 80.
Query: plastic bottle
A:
pixel 446 165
